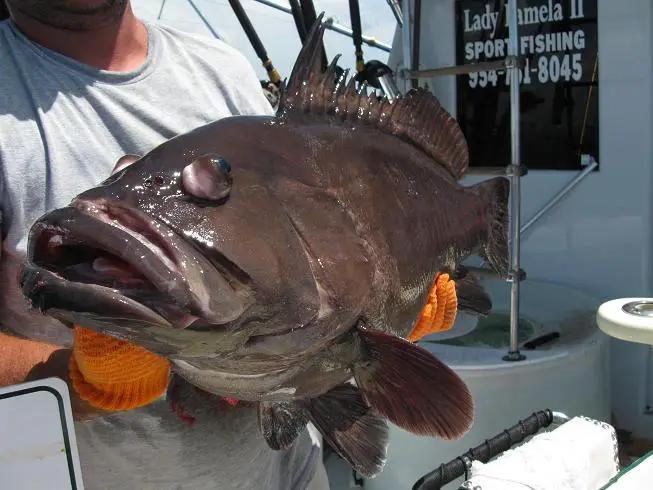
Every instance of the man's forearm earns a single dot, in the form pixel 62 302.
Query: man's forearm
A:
pixel 26 360
pixel 19 356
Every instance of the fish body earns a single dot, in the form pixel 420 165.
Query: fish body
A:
pixel 278 259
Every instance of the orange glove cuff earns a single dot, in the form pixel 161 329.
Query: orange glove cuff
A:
pixel 114 375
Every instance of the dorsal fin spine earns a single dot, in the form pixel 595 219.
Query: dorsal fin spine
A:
pixel 416 117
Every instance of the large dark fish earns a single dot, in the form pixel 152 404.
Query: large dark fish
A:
pixel 276 259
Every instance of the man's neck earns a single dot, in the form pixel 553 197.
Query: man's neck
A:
pixel 118 47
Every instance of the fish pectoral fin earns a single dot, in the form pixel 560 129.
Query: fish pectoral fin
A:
pixel 472 297
pixel 281 423
pixel 439 312
pixel 412 388
pixel 357 432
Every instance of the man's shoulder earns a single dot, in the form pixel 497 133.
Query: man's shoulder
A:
pixel 6 34
pixel 13 95
pixel 201 45
pixel 213 59
pixel 4 26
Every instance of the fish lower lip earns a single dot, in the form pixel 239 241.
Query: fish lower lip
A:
pixel 129 256
pixel 48 291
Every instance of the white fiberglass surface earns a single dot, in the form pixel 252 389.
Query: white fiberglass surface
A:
pixel 554 321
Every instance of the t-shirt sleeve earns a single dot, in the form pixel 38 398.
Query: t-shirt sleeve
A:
pixel 4 224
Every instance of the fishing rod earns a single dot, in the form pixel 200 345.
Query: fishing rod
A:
pixel 357 33
pixel 255 41
pixel 4 10
pixel 373 73
pixel 298 16
pixel 310 18
pixel 331 25
pixel 417 35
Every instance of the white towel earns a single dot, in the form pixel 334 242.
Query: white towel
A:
pixel 581 454
pixel 637 475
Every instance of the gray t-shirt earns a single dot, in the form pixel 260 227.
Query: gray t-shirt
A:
pixel 63 125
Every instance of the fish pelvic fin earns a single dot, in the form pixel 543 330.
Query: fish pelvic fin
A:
pixel 439 312
pixel 357 432
pixel 416 117
pixel 412 388
pixel 472 297
pixel 281 423
pixel 494 195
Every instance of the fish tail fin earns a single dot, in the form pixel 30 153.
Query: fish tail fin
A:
pixel 351 427
pixel 412 388
pixel 472 297
pixel 494 195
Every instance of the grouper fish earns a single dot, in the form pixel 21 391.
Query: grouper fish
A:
pixel 284 260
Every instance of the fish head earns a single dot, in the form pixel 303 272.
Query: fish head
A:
pixel 189 239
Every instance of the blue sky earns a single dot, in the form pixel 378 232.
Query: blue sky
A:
pixel 275 28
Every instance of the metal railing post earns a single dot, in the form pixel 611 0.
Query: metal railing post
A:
pixel 406 43
pixel 515 171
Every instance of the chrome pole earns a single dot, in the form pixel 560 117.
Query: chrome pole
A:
pixel 396 11
pixel 163 4
pixel 560 195
pixel 406 43
pixel 515 172
pixel 346 31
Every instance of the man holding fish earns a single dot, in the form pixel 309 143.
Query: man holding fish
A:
pixel 287 261
pixel 82 83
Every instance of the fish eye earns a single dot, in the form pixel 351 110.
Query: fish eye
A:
pixel 207 178
pixel 159 180
pixel 222 163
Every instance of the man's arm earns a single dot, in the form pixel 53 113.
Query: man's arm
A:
pixel 24 360
pixel 19 356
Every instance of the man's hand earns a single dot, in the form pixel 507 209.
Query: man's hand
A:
pixel 18 356
pixel 24 360
pixel 57 365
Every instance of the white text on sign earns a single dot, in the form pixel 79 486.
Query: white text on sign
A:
pixel 552 68
pixel 546 57
pixel 541 14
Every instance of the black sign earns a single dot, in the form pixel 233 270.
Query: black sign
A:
pixel 558 48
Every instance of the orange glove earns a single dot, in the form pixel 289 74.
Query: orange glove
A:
pixel 114 375
pixel 439 313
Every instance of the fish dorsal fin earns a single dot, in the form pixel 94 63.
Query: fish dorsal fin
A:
pixel 416 117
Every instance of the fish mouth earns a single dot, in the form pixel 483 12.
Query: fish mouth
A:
pixel 102 263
